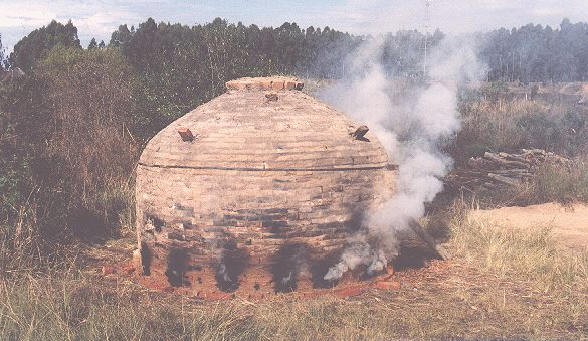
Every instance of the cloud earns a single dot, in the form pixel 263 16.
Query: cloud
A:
pixel 103 23
pixel 14 14
pixel 92 18
pixel 100 17
pixel 452 16
pixel 547 12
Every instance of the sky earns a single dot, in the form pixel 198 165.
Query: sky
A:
pixel 100 17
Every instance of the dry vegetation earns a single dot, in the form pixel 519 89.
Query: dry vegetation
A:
pixel 508 122
pixel 501 282
pixel 501 119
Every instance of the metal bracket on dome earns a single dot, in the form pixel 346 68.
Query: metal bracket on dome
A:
pixel 186 134
pixel 359 133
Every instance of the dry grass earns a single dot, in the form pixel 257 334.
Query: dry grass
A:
pixel 509 124
pixel 495 125
pixel 565 184
pixel 562 183
pixel 528 255
pixel 500 283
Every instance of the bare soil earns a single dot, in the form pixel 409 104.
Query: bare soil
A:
pixel 569 224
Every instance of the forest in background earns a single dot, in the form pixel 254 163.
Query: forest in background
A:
pixel 73 122
pixel 528 53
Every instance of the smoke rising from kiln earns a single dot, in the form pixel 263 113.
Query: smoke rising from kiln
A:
pixel 411 120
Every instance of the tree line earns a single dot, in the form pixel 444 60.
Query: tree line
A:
pixel 528 53
pixel 535 53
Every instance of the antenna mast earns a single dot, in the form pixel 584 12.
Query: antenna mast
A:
pixel 427 27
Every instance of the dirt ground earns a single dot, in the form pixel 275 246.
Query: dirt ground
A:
pixel 569 224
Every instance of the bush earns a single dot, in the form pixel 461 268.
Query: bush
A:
pixel 90 149
pixel 561 183
pixel 68 152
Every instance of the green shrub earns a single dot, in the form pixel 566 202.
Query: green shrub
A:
pixel 68 151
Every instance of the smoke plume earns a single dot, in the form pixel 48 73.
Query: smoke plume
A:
pixel 410 118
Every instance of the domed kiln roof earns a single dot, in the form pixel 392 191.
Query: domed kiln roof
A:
pixel 245 129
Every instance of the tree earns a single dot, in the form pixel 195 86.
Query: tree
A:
pixel 92 44
pixel 102 45
pixel 121 36
pixel 38 43
pixel 1 54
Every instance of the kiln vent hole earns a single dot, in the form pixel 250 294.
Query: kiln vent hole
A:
pixel 288 263
pixel 319 269
pixel 146 259
pixel 416 249
pixel 232 264
pixel 153 223
pixel 357 217
pixel 177 264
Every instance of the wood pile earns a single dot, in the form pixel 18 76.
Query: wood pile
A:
pixel 493 171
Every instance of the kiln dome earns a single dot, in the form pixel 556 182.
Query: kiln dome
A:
pixel 256 190
pixel 246 130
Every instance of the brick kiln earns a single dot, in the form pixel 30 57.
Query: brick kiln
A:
pixel 255 191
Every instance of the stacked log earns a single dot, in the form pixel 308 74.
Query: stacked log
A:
pixel 493 171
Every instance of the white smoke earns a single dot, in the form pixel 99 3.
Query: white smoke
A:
pixel 410 124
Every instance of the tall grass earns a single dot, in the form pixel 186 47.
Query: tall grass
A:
pixel 21 247
pixel 532 255
pixel 509 124
pixel 77 308
pixel 561 183
pixel 26 249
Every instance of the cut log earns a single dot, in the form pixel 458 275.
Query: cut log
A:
pixel 503 179
pixel 493 171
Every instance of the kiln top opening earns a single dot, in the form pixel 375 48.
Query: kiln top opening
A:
pixel 275 83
